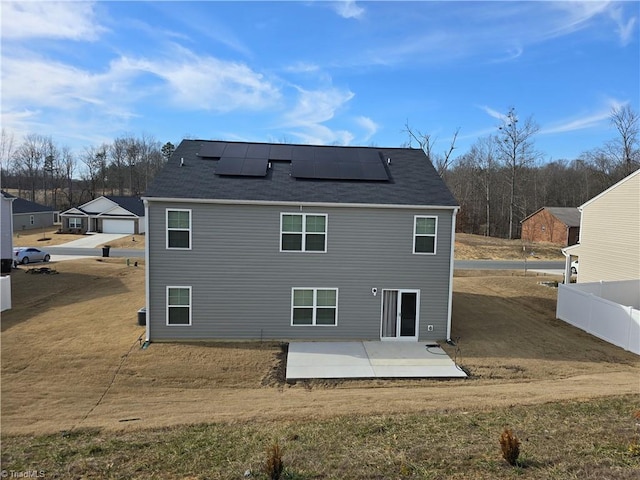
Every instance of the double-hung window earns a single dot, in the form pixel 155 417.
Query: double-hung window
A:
pixel 314 306
pixel 179 306
pixel 75 222
pixel 179 228
pixel 303 232
pixel 424 234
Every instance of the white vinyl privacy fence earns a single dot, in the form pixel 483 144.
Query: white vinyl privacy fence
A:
pixel 608 310
pixel 5 293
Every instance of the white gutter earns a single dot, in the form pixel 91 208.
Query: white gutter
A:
pixel 147 267
pixel 296 204
pixel 451 263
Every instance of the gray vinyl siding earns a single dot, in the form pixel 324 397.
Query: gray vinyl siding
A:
pixel 241 282
pixel 22 221
pixel 6 232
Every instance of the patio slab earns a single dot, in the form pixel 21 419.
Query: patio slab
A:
pixel 307 360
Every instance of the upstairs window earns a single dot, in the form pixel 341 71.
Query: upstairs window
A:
pixel 424 235
pixel 303 232
pixel 179 229
pixel 314 306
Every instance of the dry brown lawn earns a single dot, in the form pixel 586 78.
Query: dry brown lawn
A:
pixel 51 237
pixel 478 247
pixel 71 359
pixel 468 246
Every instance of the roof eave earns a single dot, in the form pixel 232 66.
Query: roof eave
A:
pixel 293 203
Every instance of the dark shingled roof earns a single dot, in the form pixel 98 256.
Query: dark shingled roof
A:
pixel 570 216
pixel 413 180
pixel 133 204
pixel 21 206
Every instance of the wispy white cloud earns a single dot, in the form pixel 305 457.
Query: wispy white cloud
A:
pixel 196 82
pixel 40 94
pixel 302 67
pixel 509 55
pixel 493 113
pixel 55 20
pixel 348 9
pixel 369 126
pixel 312 110
pixel 625 28
pixel 497 31
pixel 564 18
pixel 598 118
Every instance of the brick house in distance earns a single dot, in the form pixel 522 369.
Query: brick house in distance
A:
pixel 560 225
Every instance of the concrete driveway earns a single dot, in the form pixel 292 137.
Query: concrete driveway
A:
pixel 94 240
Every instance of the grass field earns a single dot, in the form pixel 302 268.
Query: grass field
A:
pixel 81 399
pixel 570 440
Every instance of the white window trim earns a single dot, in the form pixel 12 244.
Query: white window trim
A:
pixel 75 219
pixel 315 306
pixel 434 235
pixel 167 229
pixel 167 306
pixel 304 231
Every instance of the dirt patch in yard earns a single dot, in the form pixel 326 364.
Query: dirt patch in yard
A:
pixel 72 359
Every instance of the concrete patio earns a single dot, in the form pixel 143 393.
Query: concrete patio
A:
pixel 307 360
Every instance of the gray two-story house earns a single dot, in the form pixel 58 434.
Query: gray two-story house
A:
pixel 276 241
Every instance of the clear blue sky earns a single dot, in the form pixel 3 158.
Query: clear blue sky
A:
pixel 348 73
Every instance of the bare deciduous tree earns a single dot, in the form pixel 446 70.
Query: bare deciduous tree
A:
pixel 626 122
pixel 516 150
pixel 441 162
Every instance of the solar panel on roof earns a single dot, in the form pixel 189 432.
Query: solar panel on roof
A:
pixel 259 150
pixel 212 149
pixel 238 150
pixel 302 152
pixel 242 167
pixel 326 153
pixel 335 163
pixel 370 156
pixel 255 167
pixel 280 152
pixel 229 166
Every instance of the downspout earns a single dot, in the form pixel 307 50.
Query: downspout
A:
pixel 451 262
pixel 147 267
pixel 567 267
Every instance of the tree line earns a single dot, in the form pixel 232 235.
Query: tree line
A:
pixel 43 171
pixel 502 178
pixel 498 182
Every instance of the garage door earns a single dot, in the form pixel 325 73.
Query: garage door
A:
pixel 118 226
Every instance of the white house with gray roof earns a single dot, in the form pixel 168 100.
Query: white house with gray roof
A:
pixel 106 214
pixel 274 241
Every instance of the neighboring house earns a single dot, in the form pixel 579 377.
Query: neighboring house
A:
pixel 28 215
pixel 609 247
pixel 605 301
pixel 275 241
pixel 553 225
pixel 106 214
pixel 6 248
